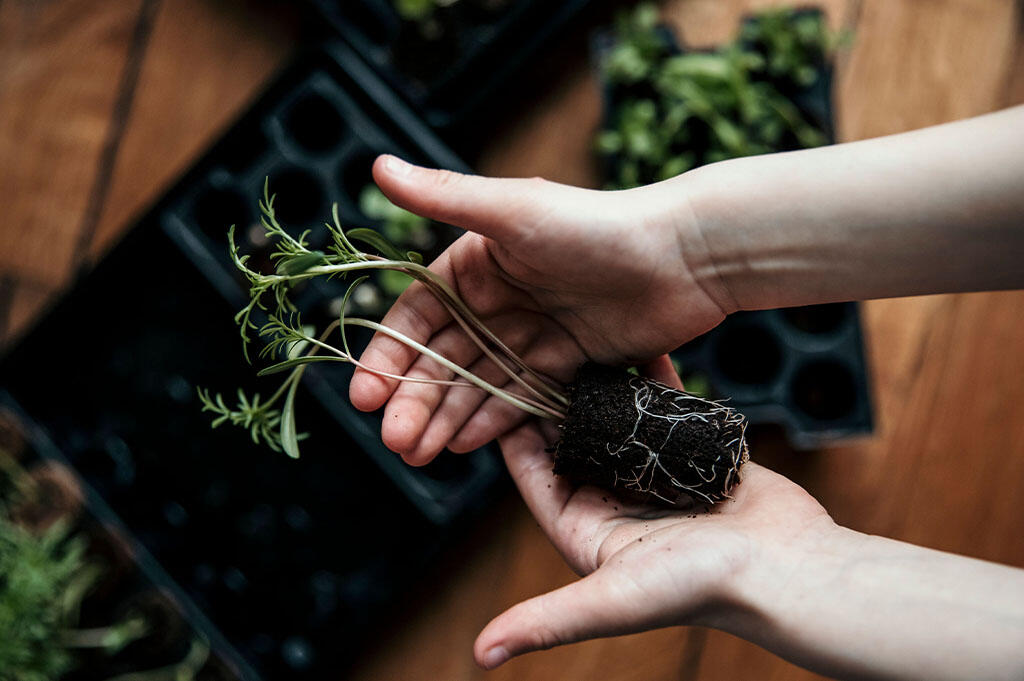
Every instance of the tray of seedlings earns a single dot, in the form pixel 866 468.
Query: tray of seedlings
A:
pixel 293 561
pixel 80 598
pixel 668 109
pixel 447 57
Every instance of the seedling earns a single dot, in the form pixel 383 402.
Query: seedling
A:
pixel 419 10
pixel 794 45
pixel 656 442
pixel 679 111
pixel 45 576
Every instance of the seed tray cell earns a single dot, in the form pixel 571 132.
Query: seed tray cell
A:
pixel 449 69
pixel 294 561
pixel 802 368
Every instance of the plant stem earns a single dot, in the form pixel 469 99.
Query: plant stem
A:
pixel 528 405
pixel 113 637
pixel 458 309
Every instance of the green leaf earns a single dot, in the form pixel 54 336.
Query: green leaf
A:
pixel 378 242
pixel 289 436
pixel 393 282
pixel 301 263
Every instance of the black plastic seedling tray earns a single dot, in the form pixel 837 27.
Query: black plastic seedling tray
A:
pixel 130 580
pixel 292 560
pixel 479 46
pixel 801 368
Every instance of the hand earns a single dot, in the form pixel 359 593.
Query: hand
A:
pixel 561 274
pixel 644 567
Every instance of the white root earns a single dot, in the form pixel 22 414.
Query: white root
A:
pixel 685 408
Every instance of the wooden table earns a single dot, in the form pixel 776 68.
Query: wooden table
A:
pixel 104 102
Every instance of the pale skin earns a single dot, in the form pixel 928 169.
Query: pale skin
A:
pixel 566 274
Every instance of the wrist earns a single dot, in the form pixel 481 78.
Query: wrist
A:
pixel 708 236
pixel 759 600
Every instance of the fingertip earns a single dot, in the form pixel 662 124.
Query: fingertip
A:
pixel 491 658
pixel 490 650
pixel 367 391
pixel 388 167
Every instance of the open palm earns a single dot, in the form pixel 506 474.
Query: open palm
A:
pixel 643 567
pixel 561 274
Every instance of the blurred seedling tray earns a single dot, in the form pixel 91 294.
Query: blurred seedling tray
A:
pixel 294 561
pixel 130 583
pixel 802 368
pixel 464 55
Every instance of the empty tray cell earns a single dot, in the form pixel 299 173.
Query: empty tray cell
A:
pixel 747 355
pixel 376 19
pixel 824 390
pixel 243 148
pixel 355 172
pixel 817 319
pixel 301 200
pixel 424 51
pixel 215 209
pixel 314 123
pixel 485 11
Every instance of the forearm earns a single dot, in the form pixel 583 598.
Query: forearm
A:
pixel 930 211
pixel 864 607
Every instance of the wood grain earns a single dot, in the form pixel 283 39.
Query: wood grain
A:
pixel 60 68
pixel 205 62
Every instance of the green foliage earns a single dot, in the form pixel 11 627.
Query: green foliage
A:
pixel 679 111
pixel 270 293
pixel 34 573
pixel 403 227
pixel 419 10
pixel 284 336
pixel 638 49
pixel 794 45
pixel 259 418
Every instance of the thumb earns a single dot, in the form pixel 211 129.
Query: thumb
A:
pixel 591 607
pixel 494 207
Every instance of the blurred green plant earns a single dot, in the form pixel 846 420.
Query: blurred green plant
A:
pixel 680 111
pixel 419 10
pixel 45 576
pixel 43 580
pixel 793 43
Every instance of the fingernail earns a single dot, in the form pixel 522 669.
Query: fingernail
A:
pixel 397 166
pixel 495 656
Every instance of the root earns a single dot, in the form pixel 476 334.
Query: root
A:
pixel 659 443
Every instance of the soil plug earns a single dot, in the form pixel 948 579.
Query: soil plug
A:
pixel 628 432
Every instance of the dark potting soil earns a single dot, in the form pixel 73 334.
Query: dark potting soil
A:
pixel 630 433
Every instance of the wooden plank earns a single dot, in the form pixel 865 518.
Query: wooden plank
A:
pixel 917 64
pixel 26 300
pixel 205 62
pixel 60 65
pixel 1014 92
pixel 705 23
